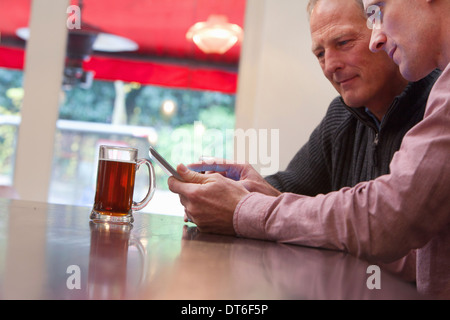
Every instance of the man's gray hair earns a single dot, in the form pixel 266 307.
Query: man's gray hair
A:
pixel 312 4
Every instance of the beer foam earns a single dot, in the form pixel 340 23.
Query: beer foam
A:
pixel 119 160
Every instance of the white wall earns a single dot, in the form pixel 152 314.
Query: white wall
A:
pixel 281 85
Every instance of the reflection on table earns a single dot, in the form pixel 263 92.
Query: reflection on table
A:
pixel 55 252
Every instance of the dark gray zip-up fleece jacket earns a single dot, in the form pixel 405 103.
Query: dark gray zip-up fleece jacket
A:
pixel 348 147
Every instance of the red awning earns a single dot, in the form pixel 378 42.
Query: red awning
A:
pixel 165 57
pixel 171 75
pixel 12 58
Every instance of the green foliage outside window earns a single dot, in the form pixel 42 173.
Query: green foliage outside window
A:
pixel 11 95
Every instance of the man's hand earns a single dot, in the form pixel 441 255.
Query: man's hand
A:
pixel 209 199
pixel 244 173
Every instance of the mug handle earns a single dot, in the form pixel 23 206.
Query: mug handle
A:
pixel 151 184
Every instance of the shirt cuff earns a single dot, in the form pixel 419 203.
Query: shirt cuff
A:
pixel 250 215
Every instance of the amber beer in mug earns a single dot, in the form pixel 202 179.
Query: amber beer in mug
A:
pixel 116 174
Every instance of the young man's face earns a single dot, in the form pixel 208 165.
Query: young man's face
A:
pixel 401 29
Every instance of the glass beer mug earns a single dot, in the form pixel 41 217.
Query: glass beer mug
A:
pixel 117 168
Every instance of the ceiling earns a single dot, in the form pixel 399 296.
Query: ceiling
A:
pixel 165 57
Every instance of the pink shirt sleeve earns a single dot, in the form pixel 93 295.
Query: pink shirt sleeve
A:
pixel 381 219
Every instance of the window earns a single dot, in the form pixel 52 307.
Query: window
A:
pixel 130 101
pixel 11 95
pixel 175 121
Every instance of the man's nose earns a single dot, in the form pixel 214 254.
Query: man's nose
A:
pixel 333 62
pixel 378 40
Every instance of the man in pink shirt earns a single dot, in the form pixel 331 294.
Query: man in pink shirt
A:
pixel 379 220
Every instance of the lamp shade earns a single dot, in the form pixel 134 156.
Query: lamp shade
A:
pixel 216 35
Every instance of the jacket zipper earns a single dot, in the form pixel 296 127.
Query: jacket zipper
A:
pixel 376 141
pixel 375 150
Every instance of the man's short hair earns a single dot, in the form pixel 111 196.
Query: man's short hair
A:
pixel 312 4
